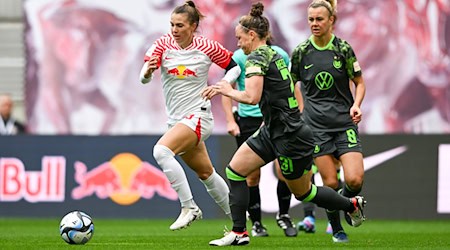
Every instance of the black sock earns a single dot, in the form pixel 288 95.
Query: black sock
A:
pixel 329 199
pixel 284 197
pixel 335 220
pixel 347 192
pixel 309 209
pixel 254 205
pixel 239 198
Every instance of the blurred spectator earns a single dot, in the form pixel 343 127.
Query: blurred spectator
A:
pixel 9 125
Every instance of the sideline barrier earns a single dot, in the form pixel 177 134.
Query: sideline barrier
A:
pixel 116 176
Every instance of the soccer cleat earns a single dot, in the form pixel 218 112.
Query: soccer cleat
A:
pixel 284 222
pixel 307 225
pixel 340 237
pixel 231 239
pixel 356 217
pixel 259 230
pixel 186 217
pixel 329 229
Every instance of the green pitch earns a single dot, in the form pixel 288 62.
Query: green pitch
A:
pixel 155 234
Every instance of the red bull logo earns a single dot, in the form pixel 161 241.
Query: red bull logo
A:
pixel 182 72
pixel 124 179
pixel 33 186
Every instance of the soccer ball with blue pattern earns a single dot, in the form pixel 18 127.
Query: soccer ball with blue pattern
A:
pixel 76 228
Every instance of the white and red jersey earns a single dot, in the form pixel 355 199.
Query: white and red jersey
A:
pixel 184 72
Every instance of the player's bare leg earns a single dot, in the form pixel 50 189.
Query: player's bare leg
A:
pixel 198 160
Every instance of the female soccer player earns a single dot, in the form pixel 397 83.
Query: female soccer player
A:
pixel 284 135
pixel 325 64
pixel 242 124
pixel 184 59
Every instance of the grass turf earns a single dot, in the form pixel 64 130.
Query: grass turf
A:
pixel 155 234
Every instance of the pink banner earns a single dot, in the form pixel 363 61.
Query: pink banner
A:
pixel 83 60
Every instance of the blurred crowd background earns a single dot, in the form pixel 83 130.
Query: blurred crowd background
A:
pixel 72 66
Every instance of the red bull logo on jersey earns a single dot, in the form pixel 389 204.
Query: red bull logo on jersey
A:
pixel 124 179
pixel 182 72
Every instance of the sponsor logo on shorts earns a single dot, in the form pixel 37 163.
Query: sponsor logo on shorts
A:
pixel 316 149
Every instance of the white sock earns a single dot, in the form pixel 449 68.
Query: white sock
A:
pixel 219 191
pixel 175 173
pixel 189 204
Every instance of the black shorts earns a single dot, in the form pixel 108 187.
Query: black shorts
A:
pixel 337 143
pixel 293 151
pixel 248 126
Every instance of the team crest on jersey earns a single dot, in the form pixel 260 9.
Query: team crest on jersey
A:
pixel 181 72
pixel 337 63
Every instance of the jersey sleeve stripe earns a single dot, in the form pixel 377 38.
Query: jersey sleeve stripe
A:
pixel 218 54
pixel 157 48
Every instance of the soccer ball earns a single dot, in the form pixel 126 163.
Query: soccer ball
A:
pixel 76 228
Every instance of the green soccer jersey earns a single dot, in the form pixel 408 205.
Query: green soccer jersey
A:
pixel 278 103
pixel 325 73
pixel 246 110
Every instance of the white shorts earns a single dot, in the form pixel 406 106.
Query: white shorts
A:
pixel 201 123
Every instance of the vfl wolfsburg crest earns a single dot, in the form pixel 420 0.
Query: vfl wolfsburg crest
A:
pixel 316 149
pixel 337 63
pixel 324 80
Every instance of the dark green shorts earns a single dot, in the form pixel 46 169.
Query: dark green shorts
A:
pixel 248 126
pixel 337 143
pixel 293 151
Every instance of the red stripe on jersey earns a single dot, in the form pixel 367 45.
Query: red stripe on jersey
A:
pixel 198 130
pixel 159 46
pixel 214 50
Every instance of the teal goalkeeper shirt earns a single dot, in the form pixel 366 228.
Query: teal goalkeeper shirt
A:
pixel 246 110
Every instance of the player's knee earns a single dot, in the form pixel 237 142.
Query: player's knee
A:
pixel 161 152
pixel 331 182
pixel 205 174
pixel 354 183
pixel 253 179
pixel 252 183
pixel 307 195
